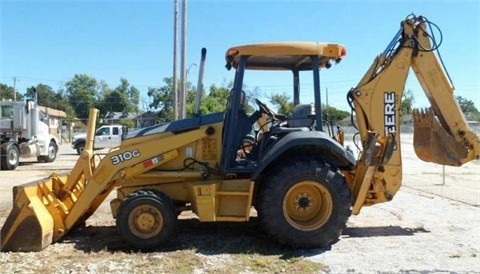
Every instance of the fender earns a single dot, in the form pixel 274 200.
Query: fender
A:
pixel 317 142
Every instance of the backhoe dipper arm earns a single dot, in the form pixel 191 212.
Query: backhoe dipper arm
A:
pixel 441 133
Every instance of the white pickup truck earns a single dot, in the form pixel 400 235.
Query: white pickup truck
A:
pixel 106 136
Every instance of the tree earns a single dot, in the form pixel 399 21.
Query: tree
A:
pixel 215 101
pixel 82 93
pixel 468 108
pixel 162 99
pixel 6 93
pixel 334 115
pixel 131 95
pixel 283 103
pixel 285 106
pixel 46 96
pixel 114 101
pixel 466 105
pixel 407 103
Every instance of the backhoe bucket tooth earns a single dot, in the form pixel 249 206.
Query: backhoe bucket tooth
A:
pixel 30 225
pixel 433 143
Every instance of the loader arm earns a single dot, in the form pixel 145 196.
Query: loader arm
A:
pixel 44 211
pixel 441 133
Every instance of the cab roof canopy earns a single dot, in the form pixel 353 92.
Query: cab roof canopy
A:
pixel 285 55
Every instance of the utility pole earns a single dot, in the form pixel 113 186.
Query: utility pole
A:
pixel 14 88
pixel 326 91
pixel 182 102
pixel 175 42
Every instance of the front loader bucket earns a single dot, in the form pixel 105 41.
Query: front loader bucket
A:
pixel 433 143
pixel 30 225
pixel 42 210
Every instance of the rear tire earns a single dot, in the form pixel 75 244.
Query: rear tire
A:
pixel 10 156
pixel 146 219
pixel 304 204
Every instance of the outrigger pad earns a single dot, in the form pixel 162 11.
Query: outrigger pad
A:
pixel 432 143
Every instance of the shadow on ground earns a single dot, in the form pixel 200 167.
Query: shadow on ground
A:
pixel 216 238
pixel 381 231
pixel 204 238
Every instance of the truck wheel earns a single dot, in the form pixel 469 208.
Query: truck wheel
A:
pixel 146 219
pixel 10 157
pixel 80 148
pixel 52 153
pixel 304 204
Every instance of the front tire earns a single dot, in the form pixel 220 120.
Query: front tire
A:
pixel 10 156
pixel 52 153
pixel 304 204
pixel 80 148
pixel 146 219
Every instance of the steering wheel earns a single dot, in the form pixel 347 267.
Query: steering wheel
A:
pixel 265 109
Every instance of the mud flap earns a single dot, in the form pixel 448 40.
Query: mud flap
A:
pixel 432 143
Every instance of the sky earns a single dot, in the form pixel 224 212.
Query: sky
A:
pixel 50 41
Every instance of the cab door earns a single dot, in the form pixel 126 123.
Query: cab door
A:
pixel 102 137
pixel 116 136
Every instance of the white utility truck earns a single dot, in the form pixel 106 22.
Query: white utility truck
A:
pixel 24 135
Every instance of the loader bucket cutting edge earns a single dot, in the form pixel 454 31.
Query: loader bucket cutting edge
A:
pixel 30 226
pixel 432 143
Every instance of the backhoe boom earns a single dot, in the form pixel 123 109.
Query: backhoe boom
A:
pixel 441 133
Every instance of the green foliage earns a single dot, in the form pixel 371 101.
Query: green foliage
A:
pixel 6 93
pixel 82 93
pixel 334 115
pixel 468 108
pixel 46 96
pixel 162 99
pixel 285 106
pixel 113 101
pixel 407 103
pixel 282 102
pixel 85 92
pixel 466 105
pixel 130 94
pixel 129 123
pixel 215 101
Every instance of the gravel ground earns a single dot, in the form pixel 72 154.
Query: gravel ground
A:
pixel 431 226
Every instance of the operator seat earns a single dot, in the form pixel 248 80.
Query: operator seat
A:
pixel 302 116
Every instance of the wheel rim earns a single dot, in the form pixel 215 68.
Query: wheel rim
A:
pixel 51 151
pixel 12 157
pixel 307 205
pixel 145 221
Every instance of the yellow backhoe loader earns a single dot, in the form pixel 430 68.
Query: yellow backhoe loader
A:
pixel 303 184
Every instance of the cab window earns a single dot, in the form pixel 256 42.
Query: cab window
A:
pixel 103 131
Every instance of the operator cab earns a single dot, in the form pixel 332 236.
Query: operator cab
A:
pixel 280 56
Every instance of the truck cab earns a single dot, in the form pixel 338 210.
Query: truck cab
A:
pixel 23 134
pixel 106 136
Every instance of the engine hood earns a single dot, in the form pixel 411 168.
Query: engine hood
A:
pixel 178 126
pixel 79 136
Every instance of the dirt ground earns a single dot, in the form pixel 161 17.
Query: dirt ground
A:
pixel 431 226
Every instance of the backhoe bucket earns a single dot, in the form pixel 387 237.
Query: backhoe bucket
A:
pixel 30 225
pixel 432 143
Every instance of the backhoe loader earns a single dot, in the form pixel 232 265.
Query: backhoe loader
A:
pixel 303 184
